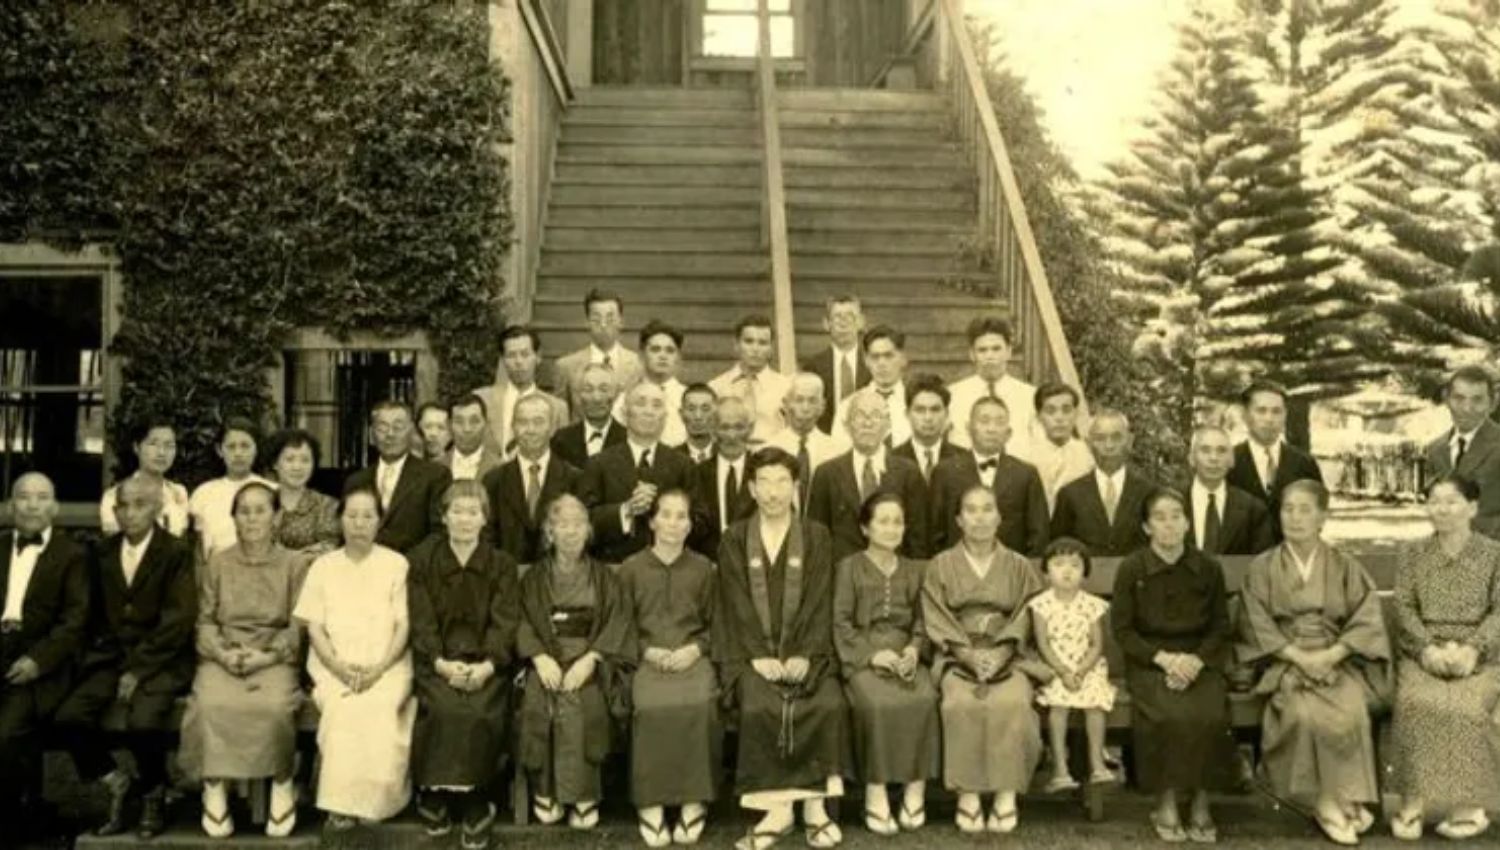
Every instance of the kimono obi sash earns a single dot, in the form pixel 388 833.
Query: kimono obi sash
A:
pixel 983 622
pixel 1309 630
pixel 572 622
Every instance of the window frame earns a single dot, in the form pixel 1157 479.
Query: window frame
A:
pixel 698 59
pixel 38 260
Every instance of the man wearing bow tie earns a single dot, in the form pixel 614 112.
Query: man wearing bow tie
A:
pixel 1016 484
pixel 620 484
pixel 44 607
pixel 140 655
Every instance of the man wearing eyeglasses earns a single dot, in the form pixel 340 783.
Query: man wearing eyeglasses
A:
pixel 606 317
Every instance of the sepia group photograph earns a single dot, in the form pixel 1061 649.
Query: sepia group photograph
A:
pixel 918 424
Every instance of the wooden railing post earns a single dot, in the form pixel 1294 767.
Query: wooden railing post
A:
pixel 773 202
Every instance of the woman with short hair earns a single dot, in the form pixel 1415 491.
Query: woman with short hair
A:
pixel 154 443
pixel 309 519
pixel 237 445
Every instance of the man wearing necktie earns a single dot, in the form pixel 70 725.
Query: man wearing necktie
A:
pixel 44 609
pixel 802 438
pixel 927 411
pixel 991 344
pixel 1102 508
pixel 840 365
pixel 1265 462
pixel 621 483
pixel 884 350
pixel 720 490
pixel 1225 519
pixel 520 355
pixel 605 312
pixel 1471 447
pixel 1015 483
pixel 841 486
pixel 1058 454
pixel 521 489
pixel 410 488
pixel 753 379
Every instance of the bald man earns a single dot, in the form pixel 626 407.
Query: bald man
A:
pixel 1225 520
pixel 140 654
pixel 619 483
pixel 44 608
pixel 721 487
pixel 843 484
pixel 802 438
pixel 598 429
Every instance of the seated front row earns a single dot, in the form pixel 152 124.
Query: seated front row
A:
pixel 827 666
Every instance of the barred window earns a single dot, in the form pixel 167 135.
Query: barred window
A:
pixel 329 392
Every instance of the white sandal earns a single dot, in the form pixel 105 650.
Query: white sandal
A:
pixel 217 821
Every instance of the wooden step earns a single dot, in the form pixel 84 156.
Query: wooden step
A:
pixel 664 264
pixel 654 217
pixel 592 134
pixel 879 199
pixel 855 120
pixel 934 154
pixel 950 315
pixel 812 177
pixel 854 262
pixel 656 196
pixel 860 100
pixel 606 154
pixel 749 290
pixel 870 137
pixel 659 175
pixel 637 116
pixel 668 98
pixel 803 217
pixel 637 240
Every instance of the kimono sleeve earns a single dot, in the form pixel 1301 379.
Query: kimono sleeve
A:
pixel 504 614
pixel 1260 636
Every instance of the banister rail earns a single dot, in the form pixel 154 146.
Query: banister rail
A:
pixel 940 39
pixel 773 199
pixel 540 95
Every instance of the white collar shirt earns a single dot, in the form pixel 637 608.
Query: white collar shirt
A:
pixel 987 465
pixel 131 555
pixel 387 476
pixel 466 467
pixel 1199 499
pixel 1266 459
pixel 22 567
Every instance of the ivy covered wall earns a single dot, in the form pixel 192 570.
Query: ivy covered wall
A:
pixel 258 167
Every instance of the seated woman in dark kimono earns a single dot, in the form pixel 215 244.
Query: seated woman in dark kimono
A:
pixel 974 606
pixel 774 638
pixel 575 630
pixel 465 604
pixel 878 631
pixel 1445 730
pixel 1171 619
pixel 1310 622
pixel 676 737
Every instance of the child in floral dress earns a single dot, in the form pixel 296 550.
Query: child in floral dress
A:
pixel 1069 627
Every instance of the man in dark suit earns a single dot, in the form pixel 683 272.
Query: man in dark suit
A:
pixel 1102 508
pixel 620 484
pixel 44 611
pixel 139 654
pixel 1265 463
pixel 410 489
pixel 927 410
pixel 840 365
pixel 1015 483
pixel 720 485
pixel 597 430
pixel 521 489
pixel 471 456
pixel 1472 446
pixel 841 485
pixel 1225 520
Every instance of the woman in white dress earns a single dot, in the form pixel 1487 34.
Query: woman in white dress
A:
pixel 155 447
pixel 210 503
pixel 354 604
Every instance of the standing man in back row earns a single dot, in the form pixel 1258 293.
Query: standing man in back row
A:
pixel 753 379
pixel 840 365
pixel 606 316
pixel 1471 447
pixel 991 343
pixel 1265 463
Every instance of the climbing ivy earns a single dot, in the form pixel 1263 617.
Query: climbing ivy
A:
pixel 265 166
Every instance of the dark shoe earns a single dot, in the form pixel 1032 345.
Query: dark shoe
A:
pixel 120 800
pixel 153 814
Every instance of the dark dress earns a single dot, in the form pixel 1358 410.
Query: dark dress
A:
pixel 895 722
pixel 565 736
pixel 1182 739
pixel 676 736
pixel 791 736
pixel 461 612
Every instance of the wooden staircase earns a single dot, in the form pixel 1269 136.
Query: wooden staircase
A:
pixel 657 196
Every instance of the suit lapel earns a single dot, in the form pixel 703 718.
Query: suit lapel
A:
pixel 404 484
pixel 1485 441
pixel 7 542
pixel 1234 518
pixel 1126 513
pixel 113 565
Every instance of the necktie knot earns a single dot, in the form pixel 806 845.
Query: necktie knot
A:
pixel 604 361
pixel 595 435
pixel 23 540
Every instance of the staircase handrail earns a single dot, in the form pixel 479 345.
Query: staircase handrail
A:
pixel 1003 222
pixel 773 199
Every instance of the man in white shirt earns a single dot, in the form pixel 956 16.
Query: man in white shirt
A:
pixel 520 355
pixel 1226 520
pixel 801 438
pixel 606 316
pixel 841 486
pixel 927 411
pixel 990 341
pixel 598 429
pixel 753 380
pixel 38 641
pixel 661 354
pixel 1057 453
pixel 885 355
pixel 470 458
pixel 840 365
pixel 700 406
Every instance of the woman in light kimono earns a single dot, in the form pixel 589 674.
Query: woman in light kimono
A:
pixel 575 632
pixel 1311 625
pixel 973 604
pixel 355 607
